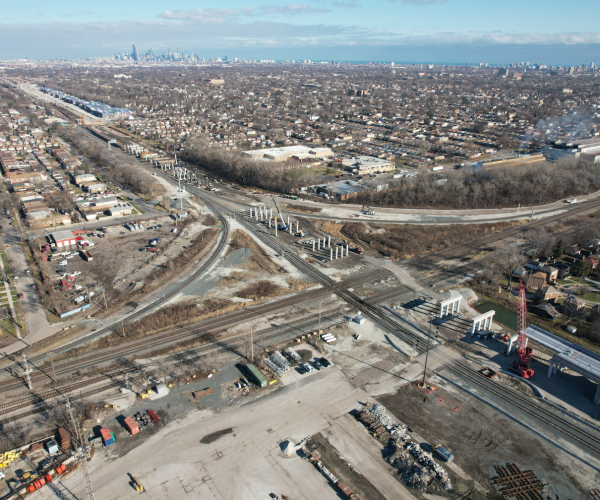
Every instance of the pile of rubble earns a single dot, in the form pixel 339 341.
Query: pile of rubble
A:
pixel 418 469
pixel 379 413
pixel 415 466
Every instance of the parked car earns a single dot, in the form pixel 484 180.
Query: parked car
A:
pixel 307 368
pixel 20 295
pixel 326 363
pixel 317 364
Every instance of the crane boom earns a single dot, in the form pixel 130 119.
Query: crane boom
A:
pixel 524 353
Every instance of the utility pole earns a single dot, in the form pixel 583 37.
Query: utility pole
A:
pixel 27 371
pixel 80 457
pixel 251 342
pixel 431 315
pixel 320 304
pixel 51 355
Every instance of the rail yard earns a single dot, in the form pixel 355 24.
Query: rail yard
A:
pixel 247 349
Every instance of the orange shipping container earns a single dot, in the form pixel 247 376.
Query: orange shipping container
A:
pixel 131 425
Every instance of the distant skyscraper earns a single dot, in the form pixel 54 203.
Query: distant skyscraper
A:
pixel 134 54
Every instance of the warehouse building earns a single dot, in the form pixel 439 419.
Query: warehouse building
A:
pixel 289 153
pixel 64 238
pixel 365 165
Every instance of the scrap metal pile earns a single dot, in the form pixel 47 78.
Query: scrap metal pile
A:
pixel 415 465
pixel 143 420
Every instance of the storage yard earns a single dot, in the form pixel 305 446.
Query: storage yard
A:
pixel 85 262
pixel 310 372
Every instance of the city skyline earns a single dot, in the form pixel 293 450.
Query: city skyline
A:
pixel 439 31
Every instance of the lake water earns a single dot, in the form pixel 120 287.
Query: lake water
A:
pixel 503 316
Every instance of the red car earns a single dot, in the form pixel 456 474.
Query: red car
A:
pixel 20 295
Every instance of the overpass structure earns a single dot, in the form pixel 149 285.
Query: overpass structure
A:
pixel 568 355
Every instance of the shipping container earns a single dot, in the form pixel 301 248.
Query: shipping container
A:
pixel 64 438
pixel 346 491
pixel 258 377
pixel 204 392
pixel 131 425
pixel 106 436
pixel 153 416
pixel 443 453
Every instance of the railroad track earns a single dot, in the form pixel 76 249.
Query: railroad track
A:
pixel 574 432
pixel 585 437
pixel 154 305
pixel 402 332
pixel 264 338
pixel 187 332
pixel 429 261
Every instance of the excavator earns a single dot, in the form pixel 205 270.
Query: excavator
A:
pixel 366 210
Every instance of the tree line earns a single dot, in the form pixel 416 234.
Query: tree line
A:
pixel 116 168
pixel 508 187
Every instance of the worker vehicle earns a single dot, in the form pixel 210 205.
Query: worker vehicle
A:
pixel 302 233
pixel 443 453
pixel 139 487
pixel 366 210
pixel 326 363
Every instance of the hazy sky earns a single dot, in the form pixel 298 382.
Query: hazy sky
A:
pixel 440 31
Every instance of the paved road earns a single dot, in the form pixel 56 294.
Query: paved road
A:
pixel 35 314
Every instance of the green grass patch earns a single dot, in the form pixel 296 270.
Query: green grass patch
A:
pixel 5 263
pixel 139 210
pixel 7 327
pixel 594 297
pixel 581 281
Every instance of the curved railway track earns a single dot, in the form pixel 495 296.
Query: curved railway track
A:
pixel 154 305
pixel 590 439
pixel 182 334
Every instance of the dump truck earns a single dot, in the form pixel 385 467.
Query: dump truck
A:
pixel 85 255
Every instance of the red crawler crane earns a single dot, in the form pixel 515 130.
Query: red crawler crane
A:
pixel 523 352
